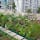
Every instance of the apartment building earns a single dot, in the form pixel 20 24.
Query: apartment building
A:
pixel 2 3
pixel 6 4
pixel 24 5
pixel 9 3
pixel 18 4
pixel 21 5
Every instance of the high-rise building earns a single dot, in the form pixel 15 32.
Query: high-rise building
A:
pixel 6 4
pixel 9 3
pixel 2 3
pixel 21 5
pixel 24 5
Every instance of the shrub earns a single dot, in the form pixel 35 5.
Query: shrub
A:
pixel 3 19
pixel 38 11
pixel 21 25
pixel 34 31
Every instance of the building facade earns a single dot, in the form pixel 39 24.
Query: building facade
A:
pixel 2 4
pixel 18 4
pixel 24 5
pixel 6 4
pixel 21 5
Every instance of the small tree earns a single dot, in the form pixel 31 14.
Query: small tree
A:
pixel 38 11
pixel 29 11
pixel 13 6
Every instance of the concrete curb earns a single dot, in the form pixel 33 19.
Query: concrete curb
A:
pixel 12 34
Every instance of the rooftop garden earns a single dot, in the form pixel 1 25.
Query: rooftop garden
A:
pixel 21 25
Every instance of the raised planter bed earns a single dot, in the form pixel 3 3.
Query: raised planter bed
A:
pixel 4 36
pixel 21 25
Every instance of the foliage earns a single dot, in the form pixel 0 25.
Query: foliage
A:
pixel 13 5
pixel 21 25
pixel 38 11
pixel 3 19
pixel 34 31
pixel 29 11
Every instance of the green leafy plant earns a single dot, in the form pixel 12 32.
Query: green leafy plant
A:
pixel 13 6
pixel 29 11
pixel 21 25
pixel 38 11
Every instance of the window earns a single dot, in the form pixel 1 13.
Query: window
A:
pixel 0 2
pixel 26 0
pixel 0 6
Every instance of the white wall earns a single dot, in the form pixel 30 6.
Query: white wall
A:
pixel 38 3
pixel 18 5
pixel 21 5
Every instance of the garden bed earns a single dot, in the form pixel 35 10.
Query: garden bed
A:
pixel 21 25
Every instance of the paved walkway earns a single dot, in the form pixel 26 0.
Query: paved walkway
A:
pixel 19 13
pixel 6 11
pixel 12 34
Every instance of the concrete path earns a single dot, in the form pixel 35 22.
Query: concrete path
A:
pixel 12 34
